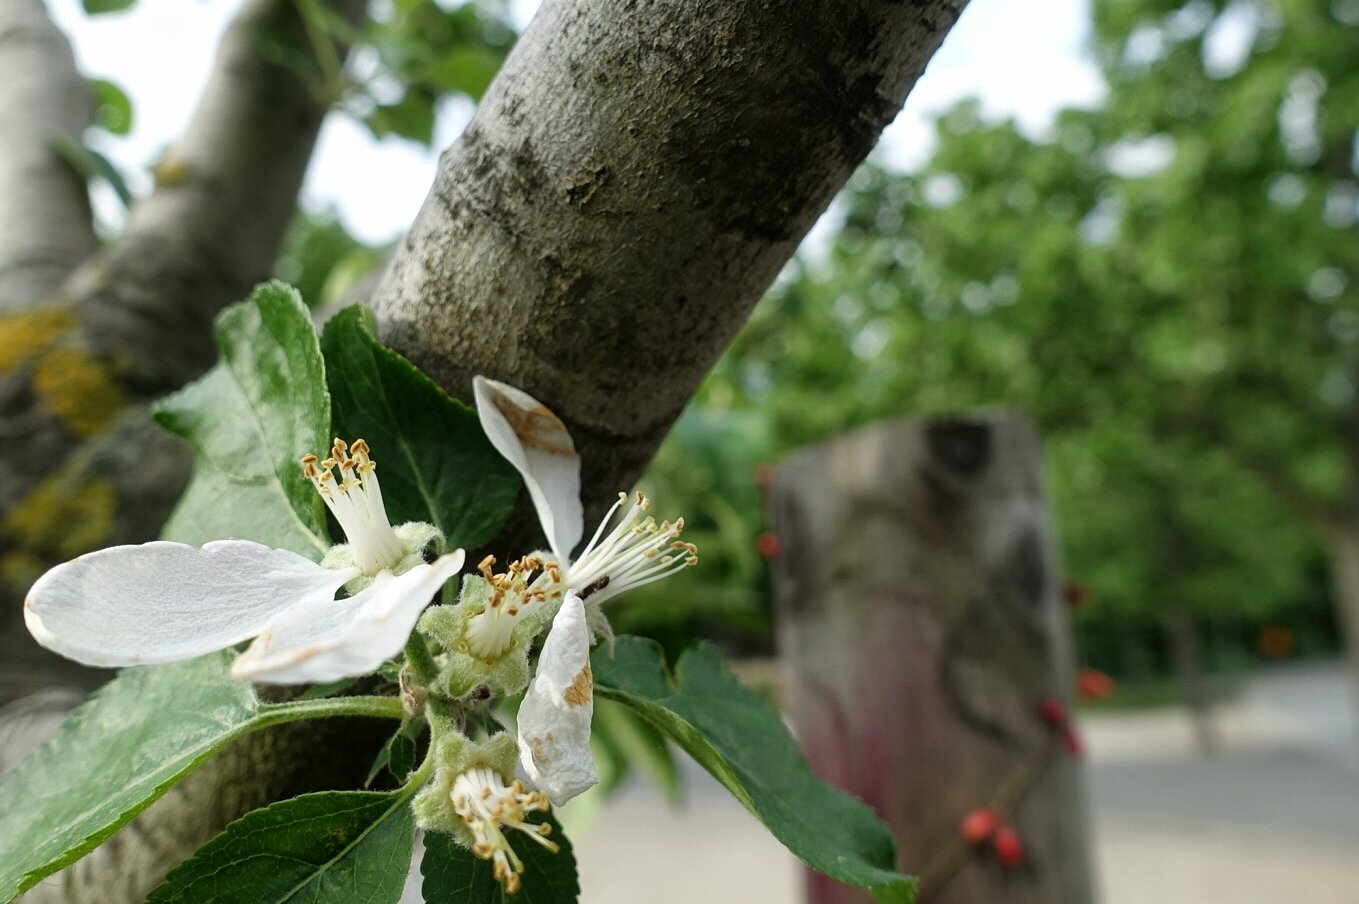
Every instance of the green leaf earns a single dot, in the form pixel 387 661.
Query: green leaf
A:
pixel 125 747
pixel 90 165
pixel 435 463
pixel 398 754
pixel 118 752
pixel 250 419
pixel 113 108
pixel 469 69
pixel 333 847
pixel 411 117
pixel 98 7
pixel 330 689
pixel 454 876
pixel 738 738
pixel 630 740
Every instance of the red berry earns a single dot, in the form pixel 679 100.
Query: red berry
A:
pixel 1054 712
pixel 978 825
pixel 1075 594
pixel 1009 849
pixel 768 545
pixel 1092 684
pixel 1071 741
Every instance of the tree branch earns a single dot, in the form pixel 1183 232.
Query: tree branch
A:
pixel 225 194
pixel 83 466
pixel 45 224
pixel 630 185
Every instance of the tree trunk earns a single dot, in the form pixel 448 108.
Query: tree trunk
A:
pixel 921 627
pixel 630 185
pixel 1182 631
pixel 45 223
pixel 1342 542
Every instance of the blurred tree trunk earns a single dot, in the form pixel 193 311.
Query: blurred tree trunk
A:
pixel 86 348
pixel 632 182
pixel 1342 541
pixel 921 626
pixel 1185 652
pixel 1181 627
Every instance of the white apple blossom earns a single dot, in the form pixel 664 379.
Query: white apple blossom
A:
pixel 161 601
pixel 525 584
pixel 637 551
pixel 554 720
pixel 490 807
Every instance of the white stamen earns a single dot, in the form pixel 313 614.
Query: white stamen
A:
pixel 356 502
pixel 637 551
pixel 513 595
pixel 489 806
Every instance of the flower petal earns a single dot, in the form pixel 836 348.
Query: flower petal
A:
pixel 554 719
pixel 159 602
pixel 536 442
pixel 413 892
pixel 324 640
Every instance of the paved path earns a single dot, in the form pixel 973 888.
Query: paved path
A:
pixel 1273 819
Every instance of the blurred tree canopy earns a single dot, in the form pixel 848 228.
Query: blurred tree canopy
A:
pixel 1166 284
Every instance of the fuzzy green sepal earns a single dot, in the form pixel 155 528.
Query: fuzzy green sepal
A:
pixel 462 673
pixel 415 537
pixel 453 755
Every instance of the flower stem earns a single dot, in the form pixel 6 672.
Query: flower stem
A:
pixel 377 707
pixel 419 659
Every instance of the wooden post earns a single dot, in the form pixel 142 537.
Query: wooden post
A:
pixel 922 628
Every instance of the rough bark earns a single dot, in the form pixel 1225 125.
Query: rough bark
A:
pixel 83 466
pixel 630 185
pixel 45 225
pixel 921 628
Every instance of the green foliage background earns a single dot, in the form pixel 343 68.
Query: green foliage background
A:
pixel 1165 284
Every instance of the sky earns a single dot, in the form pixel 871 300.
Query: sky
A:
pixel 1024 60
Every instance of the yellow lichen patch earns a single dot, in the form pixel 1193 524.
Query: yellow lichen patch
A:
pixel 170 170
pixel 78 389
pixel 62 517
pixel 27 333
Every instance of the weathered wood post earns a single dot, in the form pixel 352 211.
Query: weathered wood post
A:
pixel 922 631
